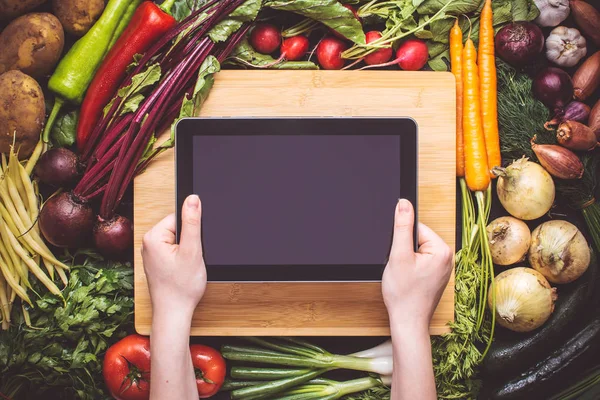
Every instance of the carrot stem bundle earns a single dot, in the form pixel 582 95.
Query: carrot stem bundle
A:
pixel 488 87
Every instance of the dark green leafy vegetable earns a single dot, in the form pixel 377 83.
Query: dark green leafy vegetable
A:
pixel 247 12
pixel 64 131
pixel 183 8
pixel 328 12
pixel 60 356
pixel 244 54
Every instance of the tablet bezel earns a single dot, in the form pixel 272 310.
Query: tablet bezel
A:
pixel 187 128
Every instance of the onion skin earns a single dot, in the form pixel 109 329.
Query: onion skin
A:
pixel 524 299
pixel 114 237
pixel 559 251
pixel 509 240
pixel 574 111
pixel 576 136
pixel 58 167
pixel 66 220
pixel 587 18
pixel 553 87
pixel 594 120
pixel 558 161
pixel 519 43
pixel 525 189
pixel 587 77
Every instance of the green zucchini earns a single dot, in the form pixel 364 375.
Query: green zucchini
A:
pixel 512 352
pixel 570 357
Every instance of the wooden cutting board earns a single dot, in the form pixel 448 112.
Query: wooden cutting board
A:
pixel 314 309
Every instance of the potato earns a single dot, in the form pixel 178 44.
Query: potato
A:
pixel 77 16
pixel 10 9
pixel 22 112
pixel 32 44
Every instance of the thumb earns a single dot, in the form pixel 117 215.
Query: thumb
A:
pixel 404 220
pixel 191 218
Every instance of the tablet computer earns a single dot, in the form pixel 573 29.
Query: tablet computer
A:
pixel 296 199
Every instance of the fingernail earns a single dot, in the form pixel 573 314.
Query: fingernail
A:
pixel 193 201
pixel 403 205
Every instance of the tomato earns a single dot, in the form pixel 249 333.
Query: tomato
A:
pixel 126 368
pixel 210 369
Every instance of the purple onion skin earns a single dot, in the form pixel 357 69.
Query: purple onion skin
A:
pixel 58 167
pixel 66 220
pixel 114 237
pixel 519 43
pixel 574 111
pixel 553 87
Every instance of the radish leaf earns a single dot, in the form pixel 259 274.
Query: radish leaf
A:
pixel 328 12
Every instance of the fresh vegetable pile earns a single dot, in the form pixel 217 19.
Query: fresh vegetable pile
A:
pixel 89 86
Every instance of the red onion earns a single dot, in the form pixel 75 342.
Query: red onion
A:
pixel 553 87
pixel 519 43
pixel 574 111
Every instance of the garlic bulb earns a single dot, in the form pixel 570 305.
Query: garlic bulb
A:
pixel 524 299
pixel 552 12
pixel 559 251
pixel 565 46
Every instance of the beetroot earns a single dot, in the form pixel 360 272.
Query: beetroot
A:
pixel 58 167
pixel 294 48
pixel 265 38
pixel 113 238
pixel 66 220
pixel 380 56
pixel 412 55
pixel 329 53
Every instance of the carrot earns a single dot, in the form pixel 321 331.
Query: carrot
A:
pixel 456 48
pixel 476 165
pixel 489 101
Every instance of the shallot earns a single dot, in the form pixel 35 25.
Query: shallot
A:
pixel 576 136
pixel 558 161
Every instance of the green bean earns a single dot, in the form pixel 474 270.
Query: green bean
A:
pixel 12 282
pixel 33 267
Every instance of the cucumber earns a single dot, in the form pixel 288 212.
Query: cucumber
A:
pixel 572 356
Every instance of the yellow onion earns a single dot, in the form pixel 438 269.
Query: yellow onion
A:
pixel 559 251
pixel 509 240
pixel 525 189
pixel 524 299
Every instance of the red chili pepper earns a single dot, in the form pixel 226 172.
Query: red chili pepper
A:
pixel 147 25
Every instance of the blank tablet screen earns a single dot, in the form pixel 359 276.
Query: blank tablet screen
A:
pixel 299 200
pixel 296 199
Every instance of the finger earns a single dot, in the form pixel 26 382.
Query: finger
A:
pixel 191 218
pixel 404 220
pixel 164 231
pixel 429 241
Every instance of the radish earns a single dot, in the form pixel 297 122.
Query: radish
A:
pixel 412 55
pixel 329 53
pixel 265 38
pixel 380 56
pixel 349 7
pixel 294 48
